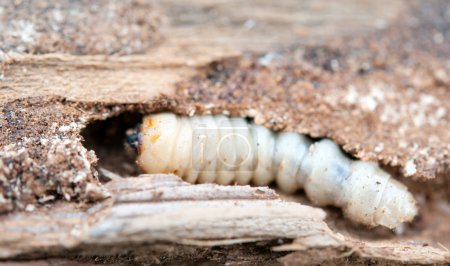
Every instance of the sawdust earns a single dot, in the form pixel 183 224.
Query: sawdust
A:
pixel 42 158
pixel 79 27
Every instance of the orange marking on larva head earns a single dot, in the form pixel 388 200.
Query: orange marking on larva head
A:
pixel 155 137
pixel 148 123
pixel 151 122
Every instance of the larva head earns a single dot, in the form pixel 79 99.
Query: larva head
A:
pixel 133 138
pixel 156 140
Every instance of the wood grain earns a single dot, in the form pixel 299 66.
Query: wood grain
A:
pixel 154 209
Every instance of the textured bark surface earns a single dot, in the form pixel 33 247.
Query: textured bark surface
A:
pixel 372 76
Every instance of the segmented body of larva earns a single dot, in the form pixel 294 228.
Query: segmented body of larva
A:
pixel 231 150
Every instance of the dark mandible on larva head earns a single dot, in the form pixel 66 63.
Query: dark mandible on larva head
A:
pixel 231 150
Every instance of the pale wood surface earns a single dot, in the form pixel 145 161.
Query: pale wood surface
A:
pixel 153 209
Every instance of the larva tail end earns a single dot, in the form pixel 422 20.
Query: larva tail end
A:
pixel 374 198
pixel 397 206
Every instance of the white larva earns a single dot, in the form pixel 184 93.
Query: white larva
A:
pixel 231 150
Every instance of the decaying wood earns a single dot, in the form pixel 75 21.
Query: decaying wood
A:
pixel 163 208
pixel 191 40
pixel 142 80
pixel 368 78
pixel 383 251
pixel 289 65
pixel 128 26
pixel 153 209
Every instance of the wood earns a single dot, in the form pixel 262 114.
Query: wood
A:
pixel 163 208
pixel 160 219
pixel 192 39
pixel 156 209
